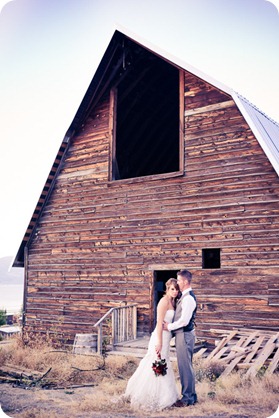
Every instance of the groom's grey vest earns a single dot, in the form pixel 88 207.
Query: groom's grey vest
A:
pixel 177 315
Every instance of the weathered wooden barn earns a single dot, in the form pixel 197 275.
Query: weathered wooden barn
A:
pixel 161 169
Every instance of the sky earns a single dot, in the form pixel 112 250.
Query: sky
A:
pixel 50 50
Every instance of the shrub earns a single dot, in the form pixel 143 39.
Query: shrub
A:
pixel 208 371
pixel 3 316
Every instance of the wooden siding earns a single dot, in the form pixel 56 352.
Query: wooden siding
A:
pixel 98 242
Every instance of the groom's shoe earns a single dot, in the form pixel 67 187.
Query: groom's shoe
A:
pixel 191 403
pixel 179 404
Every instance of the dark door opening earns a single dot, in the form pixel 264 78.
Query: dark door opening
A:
pixel 160 279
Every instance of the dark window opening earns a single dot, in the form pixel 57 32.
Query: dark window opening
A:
pixel 147 119
pixel 211 258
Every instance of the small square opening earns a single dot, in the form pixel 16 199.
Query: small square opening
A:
pixel 211 258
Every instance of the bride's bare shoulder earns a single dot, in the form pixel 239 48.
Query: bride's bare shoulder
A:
pixel 163 302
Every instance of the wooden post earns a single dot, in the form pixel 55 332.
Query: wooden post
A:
pixel 134 309
pixel 113 327
pixel 100 339
pixel 25 285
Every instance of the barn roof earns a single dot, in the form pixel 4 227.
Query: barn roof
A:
pixel 265 129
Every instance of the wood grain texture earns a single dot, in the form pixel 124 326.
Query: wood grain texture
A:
pixel 98 242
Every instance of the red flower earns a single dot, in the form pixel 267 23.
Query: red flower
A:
pixel 160 366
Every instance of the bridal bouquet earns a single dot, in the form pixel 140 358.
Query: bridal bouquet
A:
pixel 160 366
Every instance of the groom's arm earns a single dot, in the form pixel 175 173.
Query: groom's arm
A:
pixel 188 306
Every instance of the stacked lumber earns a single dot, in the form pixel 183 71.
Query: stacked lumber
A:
pixel 26 378
pixel 21 376
pixel 246 349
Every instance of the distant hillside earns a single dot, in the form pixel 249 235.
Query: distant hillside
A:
pixel 14 276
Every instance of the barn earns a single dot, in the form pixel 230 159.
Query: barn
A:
pixel 161 169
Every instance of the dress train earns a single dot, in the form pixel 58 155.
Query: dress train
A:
pixel 147 391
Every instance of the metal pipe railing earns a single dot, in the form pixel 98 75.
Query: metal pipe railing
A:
pixel 123 325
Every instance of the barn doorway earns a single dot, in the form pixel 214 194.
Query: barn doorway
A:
pixel 160 278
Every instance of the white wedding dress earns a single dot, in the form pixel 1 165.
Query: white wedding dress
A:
pixel 147 391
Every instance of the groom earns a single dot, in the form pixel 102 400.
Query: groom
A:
pixel 183 328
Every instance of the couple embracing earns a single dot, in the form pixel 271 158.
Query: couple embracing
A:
pixel 155 390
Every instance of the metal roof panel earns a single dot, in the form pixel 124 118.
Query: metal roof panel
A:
pixel 265 129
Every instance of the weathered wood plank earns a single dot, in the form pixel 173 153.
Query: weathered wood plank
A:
pixel 221 345
pixel 245 349
pixel 274 362
pixel 97 235
pixel 259 361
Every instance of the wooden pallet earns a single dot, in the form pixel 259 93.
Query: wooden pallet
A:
pixel 248 350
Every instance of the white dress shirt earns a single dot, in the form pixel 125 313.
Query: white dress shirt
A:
pixel 188 307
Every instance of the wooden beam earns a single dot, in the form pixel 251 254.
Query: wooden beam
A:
pixel 221 344
pixel 273 364
pixel 210 108
pixel 267 350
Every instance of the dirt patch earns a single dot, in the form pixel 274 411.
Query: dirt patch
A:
pixel 18 402
pixel 38 403
pixel 48 383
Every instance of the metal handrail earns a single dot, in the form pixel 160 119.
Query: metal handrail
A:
pixel 124 325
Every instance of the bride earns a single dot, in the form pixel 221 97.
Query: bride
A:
pixel 145 389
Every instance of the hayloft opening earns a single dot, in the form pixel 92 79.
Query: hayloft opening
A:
pixel 147 119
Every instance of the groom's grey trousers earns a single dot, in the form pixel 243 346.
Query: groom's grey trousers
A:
pixel 185 342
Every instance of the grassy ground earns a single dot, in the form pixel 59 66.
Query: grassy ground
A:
pixel 233 396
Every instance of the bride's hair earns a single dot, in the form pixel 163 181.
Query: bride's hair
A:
pixel 173 282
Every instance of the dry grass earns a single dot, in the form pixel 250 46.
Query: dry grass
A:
pixel 224 396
